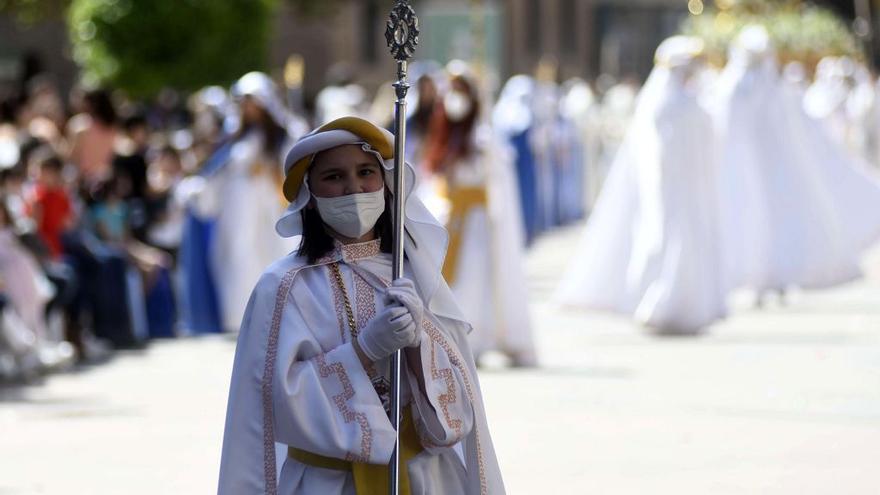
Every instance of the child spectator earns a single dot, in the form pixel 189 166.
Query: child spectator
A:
pixel 166 207
pixel 109 215
pixel 49 202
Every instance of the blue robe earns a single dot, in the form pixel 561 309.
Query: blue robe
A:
pixel 525 174
pixel 200 307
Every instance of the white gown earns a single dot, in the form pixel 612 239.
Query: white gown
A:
pixel 297 382
pixel 795 211
pixel 247 201
pixel 489 279
pixel 650 247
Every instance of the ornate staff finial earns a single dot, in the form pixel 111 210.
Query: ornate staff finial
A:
pixel 402 31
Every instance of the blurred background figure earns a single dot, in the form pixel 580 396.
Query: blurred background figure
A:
pixel 513 118
pixel 245 193
pixel 843 97
pixel 649 249
pixel 485 256
pixel 788 198
pixel 92 136
pixel 341 97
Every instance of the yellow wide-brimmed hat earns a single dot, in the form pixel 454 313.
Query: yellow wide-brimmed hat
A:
pixel 339 132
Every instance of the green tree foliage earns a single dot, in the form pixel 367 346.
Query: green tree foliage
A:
pixel 141 46
pixel 800 31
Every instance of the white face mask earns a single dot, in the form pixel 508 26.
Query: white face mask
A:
pixel 457 105
pixel 353 215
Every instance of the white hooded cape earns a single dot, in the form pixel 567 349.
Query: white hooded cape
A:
pixel 282 313
pixel 650 247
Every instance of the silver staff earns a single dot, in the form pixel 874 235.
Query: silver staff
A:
pixel 402 35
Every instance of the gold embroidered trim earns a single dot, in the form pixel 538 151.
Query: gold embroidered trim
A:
pixel 341 401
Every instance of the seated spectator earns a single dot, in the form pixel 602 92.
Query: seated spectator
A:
pixel 49 202
pixel 166 206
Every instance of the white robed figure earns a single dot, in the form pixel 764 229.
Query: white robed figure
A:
pixel 485 263
pixel 795 211
pixel 650 247
pixel 842 97
pixel 308 403
pixel 245 196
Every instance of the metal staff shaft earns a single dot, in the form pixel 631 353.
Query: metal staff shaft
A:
pixel 402 35
pixel 397 252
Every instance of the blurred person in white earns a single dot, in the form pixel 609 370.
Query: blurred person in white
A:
pixel 513 119
pixel 28 292
pixel 571 142
pixel 650 247
pixel 794 209
pixel 19 359
pixel 424 105
pixel 422 101
pixel 342 96
pixel 245 195
pixel 486 258
pixel 309 400
pixel 843 97
pixel 546 144
pixel 580 106
pixel 618 106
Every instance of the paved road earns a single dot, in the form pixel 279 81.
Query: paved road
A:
pixel 780 401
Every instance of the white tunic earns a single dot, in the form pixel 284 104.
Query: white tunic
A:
pixel 298 382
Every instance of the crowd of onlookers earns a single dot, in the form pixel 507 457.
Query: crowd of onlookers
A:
pixel 91 220
pixel 109 227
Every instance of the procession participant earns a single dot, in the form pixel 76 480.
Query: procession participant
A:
pixel 513 119
pixel 245 195
pixel 484 266
pixel 795 211
pixel 649 249
pixel 309 399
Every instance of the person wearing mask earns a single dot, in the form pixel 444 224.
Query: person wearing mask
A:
pixel 309 400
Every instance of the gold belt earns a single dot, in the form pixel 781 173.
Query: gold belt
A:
pixel 463 200
pixel 370 479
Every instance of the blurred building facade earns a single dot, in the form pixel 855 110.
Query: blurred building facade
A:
pixel 583 38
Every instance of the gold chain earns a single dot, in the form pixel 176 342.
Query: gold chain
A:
pixel 337 275
pixel 371 371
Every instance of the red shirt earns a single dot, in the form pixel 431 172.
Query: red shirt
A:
pixel 55 206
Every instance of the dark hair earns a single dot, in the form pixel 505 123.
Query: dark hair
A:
pixel 168 150
pixel 100 106
pixel 134 121
pixel 317 243
pixel 4 213
pixel 43 156
pixel 107 189
pixel 450 141
pixel 274 133
pixel 48 160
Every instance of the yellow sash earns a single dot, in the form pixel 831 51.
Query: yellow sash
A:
pixel 463 199
pixel 371 479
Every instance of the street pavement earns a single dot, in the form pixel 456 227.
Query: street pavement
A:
pixel 779 400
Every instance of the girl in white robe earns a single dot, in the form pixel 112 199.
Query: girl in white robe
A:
pixel 245 197
pixel 485 263
pixel 650 247
pixel 307 414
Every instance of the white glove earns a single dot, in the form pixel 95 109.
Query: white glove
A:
pixel 390 330
pixel 403 292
